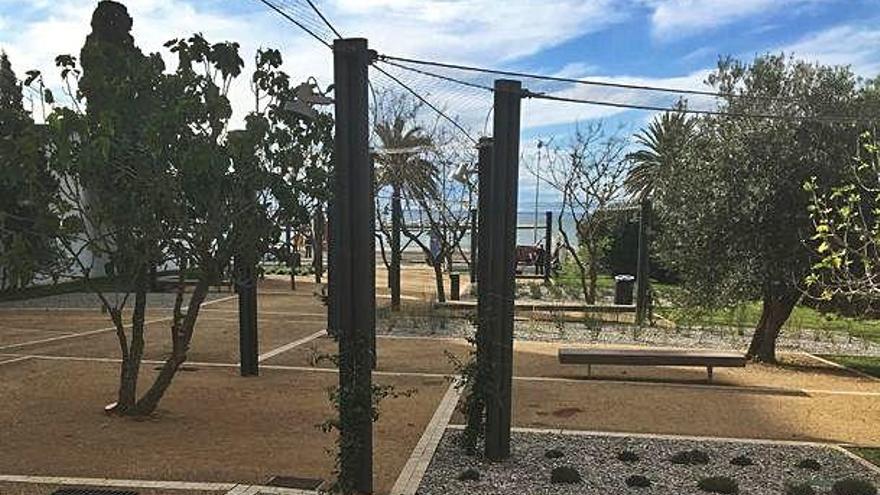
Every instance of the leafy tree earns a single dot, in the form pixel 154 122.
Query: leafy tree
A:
pixel 662 144
pixel 26 189
pixel 151 177
pixel 733 208
pixel 846 220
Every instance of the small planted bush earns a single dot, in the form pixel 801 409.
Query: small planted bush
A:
pixel 565 474
pixel 799 489
pixel 811 464
pixel 554 454
pixel 718 484
pixel 742 460
pixel 853 486
pixel 638 481
pixel 627 456
pixel 690 457
pixel 469 474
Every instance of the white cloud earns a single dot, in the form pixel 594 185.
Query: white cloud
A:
pixel 465 31
pixel 679 18
pixel 842 45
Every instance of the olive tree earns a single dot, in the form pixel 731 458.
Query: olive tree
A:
pixel 732 207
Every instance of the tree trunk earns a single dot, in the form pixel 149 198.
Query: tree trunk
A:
pixel 777 307
pixel 131 364
pixel 438 275
pixel 148 403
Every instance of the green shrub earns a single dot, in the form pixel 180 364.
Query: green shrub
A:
pixel 554 454
pixel 690 457
pixel 799 489
pixel 741 460
pixel 627 456
pixel 718 484
pixel 565 474
pixel 469 474
pixel 638 481
pixel 811 464
pixel 853 486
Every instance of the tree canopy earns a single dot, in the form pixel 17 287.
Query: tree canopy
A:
pixel 733 207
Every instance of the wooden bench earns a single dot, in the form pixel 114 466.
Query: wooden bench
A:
pixel 652 357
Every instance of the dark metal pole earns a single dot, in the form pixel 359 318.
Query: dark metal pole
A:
pixel 485 330
pixel 394 273
pixel 504 178
pixel 548 245
pixel 642 267
pixel 291 252
pixel 318 248
pixel 474 244
pixel 352 298
pixel 248 339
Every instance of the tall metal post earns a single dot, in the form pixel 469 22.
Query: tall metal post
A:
pixel 352 297
pixel 318 244
pixel 548 245
pixel 485 327
pixel 394 273
pixel 642 266
pixel 474 244
pixel 248 338
pixel 501 272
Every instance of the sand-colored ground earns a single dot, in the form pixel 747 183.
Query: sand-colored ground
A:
pixel 212 426
pixel 216 426
pixel 711 412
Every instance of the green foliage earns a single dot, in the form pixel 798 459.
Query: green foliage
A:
pixel 732 208
pixel 846 222
pixel 690 457
pixel 469 474
pixel 627 456
pixel 663 144
pixel 341 398
pixel 151 174
pixel 853 486
pixel 799 489
pixel 638 481
pixel 809 464
pixel 472 379
pixel 554 454
pixel 27 190
pixel 718 484
pixel 565 475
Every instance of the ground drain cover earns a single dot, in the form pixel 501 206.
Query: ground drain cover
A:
pixel 294 482
pixel 91 491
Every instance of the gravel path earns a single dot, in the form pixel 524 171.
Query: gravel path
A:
pixel 595 458
pixel 818 342
pixel 88 300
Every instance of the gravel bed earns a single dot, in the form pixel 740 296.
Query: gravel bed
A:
pixel 818 342
pixel 88 300
pixel 595 458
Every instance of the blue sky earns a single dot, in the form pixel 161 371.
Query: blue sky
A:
pixel 664 42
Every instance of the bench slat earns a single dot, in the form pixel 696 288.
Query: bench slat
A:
pixel 651 357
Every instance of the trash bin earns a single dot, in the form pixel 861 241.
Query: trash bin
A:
pixel 623 289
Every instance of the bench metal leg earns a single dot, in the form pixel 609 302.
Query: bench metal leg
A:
pixel 709 369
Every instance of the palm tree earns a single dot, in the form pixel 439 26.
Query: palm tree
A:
pixel 399 166
pixel 663 142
